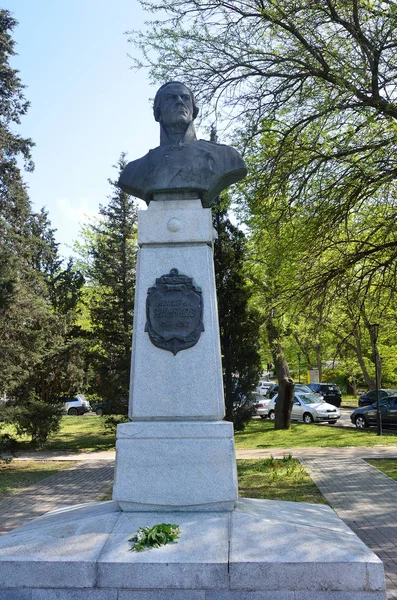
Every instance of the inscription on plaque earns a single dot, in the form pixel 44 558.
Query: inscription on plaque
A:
pixel 174 312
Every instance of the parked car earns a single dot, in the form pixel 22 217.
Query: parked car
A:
pixel 261 405
pixel 329 391
pixel 119 407
pixel 263 387
pixel 370 397
pixel 76 405
pixel 307 407
pixel 299 387
pixel 365 416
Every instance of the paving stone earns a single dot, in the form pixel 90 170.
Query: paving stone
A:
pixel 366 501
pixel 84 482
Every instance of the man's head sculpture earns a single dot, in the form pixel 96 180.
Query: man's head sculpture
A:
pixel 170 88
pixel 175 109
pixel 181 167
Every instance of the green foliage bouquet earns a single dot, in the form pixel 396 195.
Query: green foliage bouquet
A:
pixel 154 537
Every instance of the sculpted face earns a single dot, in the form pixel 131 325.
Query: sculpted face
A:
pixel 176 105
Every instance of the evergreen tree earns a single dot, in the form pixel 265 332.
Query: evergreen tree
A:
pixel 239 324
pixel 109 258
pixel 63 360
pixel 13 106
pixel 41 346
pixel 14 203
pixel 63 282
pixel 22 310
pixel 35 350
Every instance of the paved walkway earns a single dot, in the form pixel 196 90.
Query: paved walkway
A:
pixel 342 453
pixel 360 494
pixel 357 452
pixel 84 482
pixel 366 500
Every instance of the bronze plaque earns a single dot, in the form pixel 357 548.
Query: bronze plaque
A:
pixel 174 312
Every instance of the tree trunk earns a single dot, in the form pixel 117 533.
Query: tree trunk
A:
pixel 307 358
pixel 285 396
pixel 359 353
pixel 351 387
pixel 376 357
pixel 373 336
pixel 356 348
pixel 319 362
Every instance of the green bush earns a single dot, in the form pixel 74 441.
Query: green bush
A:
pixel 36 419
pixel 116 407
pixel 110 422
pixel 8 446
pixel 243 413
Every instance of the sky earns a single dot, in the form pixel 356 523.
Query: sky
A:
pixel 87 105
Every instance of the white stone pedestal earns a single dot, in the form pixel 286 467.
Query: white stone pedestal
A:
pixel 171 465
pixel 177 454
pixel 263 550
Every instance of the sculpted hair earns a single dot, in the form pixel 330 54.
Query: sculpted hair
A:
pixel 157 100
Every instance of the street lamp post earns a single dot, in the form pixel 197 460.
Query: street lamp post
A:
pixel 374 339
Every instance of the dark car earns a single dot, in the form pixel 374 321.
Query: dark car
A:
pixel 119 407
pixel 372 396
pixel 366 415
pixel 299 387
pixel 329 391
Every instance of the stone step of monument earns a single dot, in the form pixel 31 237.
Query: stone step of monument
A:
pixel 263 550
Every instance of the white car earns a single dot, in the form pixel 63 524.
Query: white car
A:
pixel 264 387
pixel 309 409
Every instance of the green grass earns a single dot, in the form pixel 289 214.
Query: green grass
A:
pixel 81 433
pixel 21 474
pixel 273 479
pixel 388 466
pixel 86 433
pixel 349 401
pixel 261 434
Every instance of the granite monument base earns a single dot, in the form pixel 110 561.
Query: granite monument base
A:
pixel 175 466
pixel 263 550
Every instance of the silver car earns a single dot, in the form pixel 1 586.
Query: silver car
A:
pixel 261 405
pixel 309 409
pixel 76 405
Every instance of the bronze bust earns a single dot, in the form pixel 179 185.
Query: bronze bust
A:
pixel 181 163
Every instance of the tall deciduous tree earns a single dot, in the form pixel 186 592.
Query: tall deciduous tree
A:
pixel 312 86
pixel 272 255
pixel 109 261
